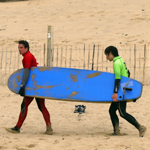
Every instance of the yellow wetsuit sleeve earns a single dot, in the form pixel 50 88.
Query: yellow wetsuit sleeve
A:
pixel 117 70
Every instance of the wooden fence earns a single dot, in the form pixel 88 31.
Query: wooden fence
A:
pixel 91 57
pixel 11 60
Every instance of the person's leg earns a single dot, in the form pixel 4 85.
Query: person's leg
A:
pixel 46 115
pixel 23 113
pixel 114 118
pixel 129 118
pixel 24 109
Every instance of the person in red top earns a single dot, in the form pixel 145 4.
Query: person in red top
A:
pixel 29 61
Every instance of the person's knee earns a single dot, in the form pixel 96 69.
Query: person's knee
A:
pixel 111 112
pixel 38 104
pixel 39 107
pixel 123 114
pixel 23 106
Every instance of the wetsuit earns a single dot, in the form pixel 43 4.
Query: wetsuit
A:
pixel 30 61
pixel 120 69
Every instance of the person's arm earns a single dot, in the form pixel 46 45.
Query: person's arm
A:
pixel 24 81
pixel 117 83
pixel 117 72
pixel 27 61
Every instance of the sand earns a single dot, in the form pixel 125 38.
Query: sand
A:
pixel 89 131
pixel 105 22
pixel 75 22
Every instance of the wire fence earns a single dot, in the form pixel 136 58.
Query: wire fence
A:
pixel 89 57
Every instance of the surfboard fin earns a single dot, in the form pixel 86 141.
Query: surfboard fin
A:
pixel 126 88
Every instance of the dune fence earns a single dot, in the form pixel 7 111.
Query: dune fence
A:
pixel 11 60
pixel 90 57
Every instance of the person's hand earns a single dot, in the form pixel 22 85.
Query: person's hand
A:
pixel 115 97
pixel 22 91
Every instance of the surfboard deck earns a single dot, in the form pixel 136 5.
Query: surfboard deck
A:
pixel 74 85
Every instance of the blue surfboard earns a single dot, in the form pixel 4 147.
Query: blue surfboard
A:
pixel 74 85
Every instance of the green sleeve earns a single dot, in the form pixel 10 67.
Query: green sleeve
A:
pixel 117 70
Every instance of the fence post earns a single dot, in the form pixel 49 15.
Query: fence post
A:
pixel 97 57
pixel 50 50
pixel 44 55
pixel 84 57
pixel 134 60
pixel 93 57
pixel 144 63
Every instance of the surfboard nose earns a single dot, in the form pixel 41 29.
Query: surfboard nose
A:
pixel 14 81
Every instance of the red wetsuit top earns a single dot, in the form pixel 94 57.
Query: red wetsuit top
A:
pixel 29 60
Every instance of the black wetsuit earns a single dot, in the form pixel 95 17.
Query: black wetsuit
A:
pixel 120 69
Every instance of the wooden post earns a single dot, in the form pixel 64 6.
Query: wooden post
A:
pixel 139 72
pixel 5 68
pixel 1 59
pixel 61 56
pixel 130 59
pixel 76 58
pixel 15 61
pixel 134 60
pixel 93 57
pixel 144 63
pixel 102 57
pixel 97 57
pixel 89 58
pixel 10 61
pixel 84 57
pixel 79 57
pixel 18 60
pixel 50 50
pixel 1 67
pixel 148 63
pixel 57 57
pixel 70 55
pixel 44 56
pixel 66 57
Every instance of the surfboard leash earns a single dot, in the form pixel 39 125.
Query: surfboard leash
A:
pixel 125 88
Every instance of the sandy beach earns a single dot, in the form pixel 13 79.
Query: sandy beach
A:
pixel 89 131
pixel 75 22
pixel 105 22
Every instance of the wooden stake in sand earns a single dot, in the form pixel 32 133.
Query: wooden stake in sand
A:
pixel 93 57
pixel 61 56
pixel 144 63
pixel 89 57
pixel 134 60
pixel 10 61
pixel 44 55
pixel 57 57
pixel 5 67
pixel 50 49
pixel 84 57
pixel 70 55
pixel 66 57
pixel 97 57
pixel 1 64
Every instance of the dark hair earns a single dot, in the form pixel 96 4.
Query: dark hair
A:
pixel 113 50
pixel 25 43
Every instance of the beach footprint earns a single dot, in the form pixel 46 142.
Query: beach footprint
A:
pixel 31 145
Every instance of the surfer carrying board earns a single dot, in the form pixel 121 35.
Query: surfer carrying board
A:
pixel 29 61
pixel 120 69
